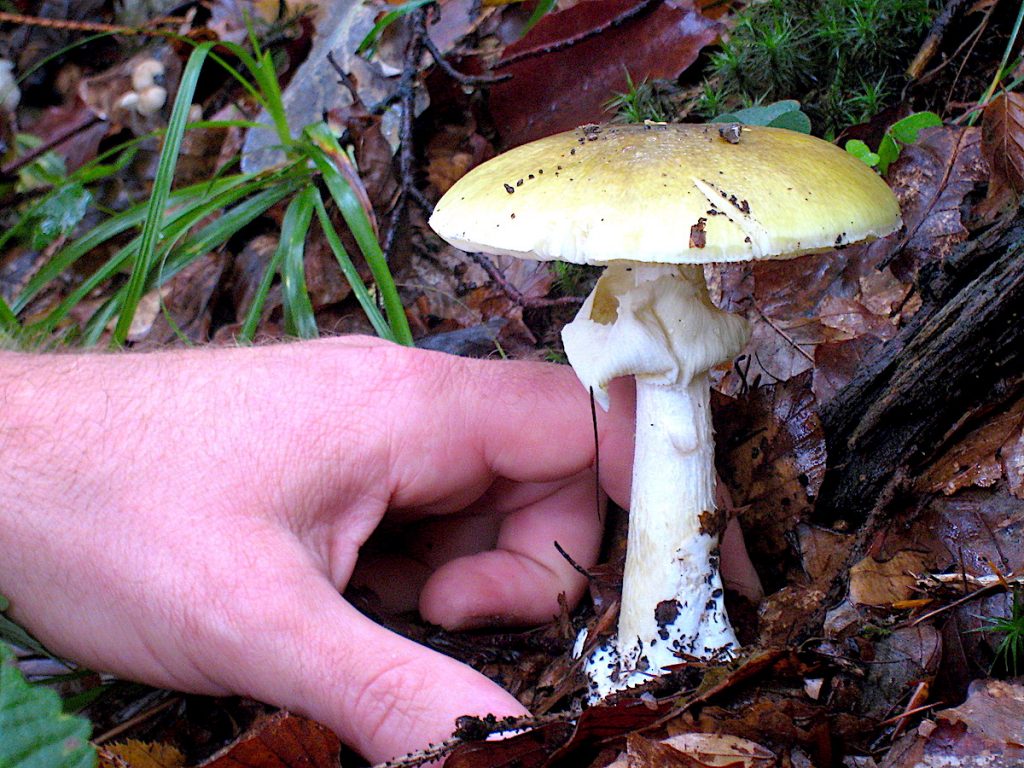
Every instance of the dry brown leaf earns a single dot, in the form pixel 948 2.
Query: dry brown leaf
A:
pixel 985 455
pixel 647 753
pixel 932 179
pixel 900 661
pixel 883 583
pixel 140 754
pixel 721 749
pixel 281 740
pixel 799 306
pixel 1002 143
pixel 572 61
pixel 986 731
pixel 772 457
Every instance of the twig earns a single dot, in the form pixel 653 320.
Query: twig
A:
pixel 420 28
pixel 34 154
pixel 408 190
pixel 514 294
pixel 934 38
pixel 575 566
pixel 92 26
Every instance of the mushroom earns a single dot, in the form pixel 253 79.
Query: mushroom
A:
pixel 151 100
pixel 653 203
pixel 10 94
pixel 146 73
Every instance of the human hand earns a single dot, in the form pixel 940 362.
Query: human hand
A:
pixel 189 518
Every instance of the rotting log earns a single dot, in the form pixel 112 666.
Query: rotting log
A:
pixel 961 355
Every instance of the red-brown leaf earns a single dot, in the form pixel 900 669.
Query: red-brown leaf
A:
pixel 571 63
pixel 282 740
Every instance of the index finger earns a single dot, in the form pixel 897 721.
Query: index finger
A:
pixel 463 422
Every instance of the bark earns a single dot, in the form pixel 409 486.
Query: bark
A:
pixel 961 355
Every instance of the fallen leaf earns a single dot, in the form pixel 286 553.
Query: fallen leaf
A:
pixel 183 305
pixel 799 306
pixel 932 179
pixel 822 551
pixel 771 451
pixel 1002 143
pixel 281 740
pixel 721 749
pixel 975 529
pixel 883 583
pixel 647 753
pixel 898 662
pixel 140 754
pixel 986 731
pixel 314 89
pixel 981 458
pixel 572 61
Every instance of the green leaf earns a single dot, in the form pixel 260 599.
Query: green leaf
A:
pixel 905 131
pixel 760 115
pixel 888 151
pixel 862 152
pixel 299 319
pixel 34 732
pixel 58 215
pixel 794 120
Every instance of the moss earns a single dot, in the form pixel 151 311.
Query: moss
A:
pixel 844 59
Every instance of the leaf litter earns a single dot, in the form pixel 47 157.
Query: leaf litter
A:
pixel 825 676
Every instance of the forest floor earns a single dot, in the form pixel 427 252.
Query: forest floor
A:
pixel 870 437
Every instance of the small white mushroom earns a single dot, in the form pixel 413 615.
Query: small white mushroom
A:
pixel 146 73
pixel 654 202
pixel 151 100
pixel 10 94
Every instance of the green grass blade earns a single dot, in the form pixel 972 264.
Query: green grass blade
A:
pixel 543 9
pixel 217 233
pixel 299 319
pixel 100 319
pixel 325 152
pixel 369 43
pixel 152 228
pixel 252 317
pixel 178 224
pixel 380 325
pixel 8 320
pixel 211 236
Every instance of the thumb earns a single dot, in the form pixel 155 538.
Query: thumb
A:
pixel 311 652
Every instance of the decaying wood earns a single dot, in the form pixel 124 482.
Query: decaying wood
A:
pixel 961 355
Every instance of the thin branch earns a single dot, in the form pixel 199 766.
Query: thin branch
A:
pixel 91 26
pixel 420 29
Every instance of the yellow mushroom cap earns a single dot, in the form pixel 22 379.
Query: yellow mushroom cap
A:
pixel 667 193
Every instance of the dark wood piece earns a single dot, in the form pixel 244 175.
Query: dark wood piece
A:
pixel 961 355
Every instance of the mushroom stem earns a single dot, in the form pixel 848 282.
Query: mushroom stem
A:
pixel 672 598
pixel 658 323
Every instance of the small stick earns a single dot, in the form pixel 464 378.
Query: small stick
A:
pixel 91 26
pixel 33 154
pixel 934 38
pixel 420 29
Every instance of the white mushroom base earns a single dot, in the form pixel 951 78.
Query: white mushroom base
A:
pixel 658 324
pixel 672 601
